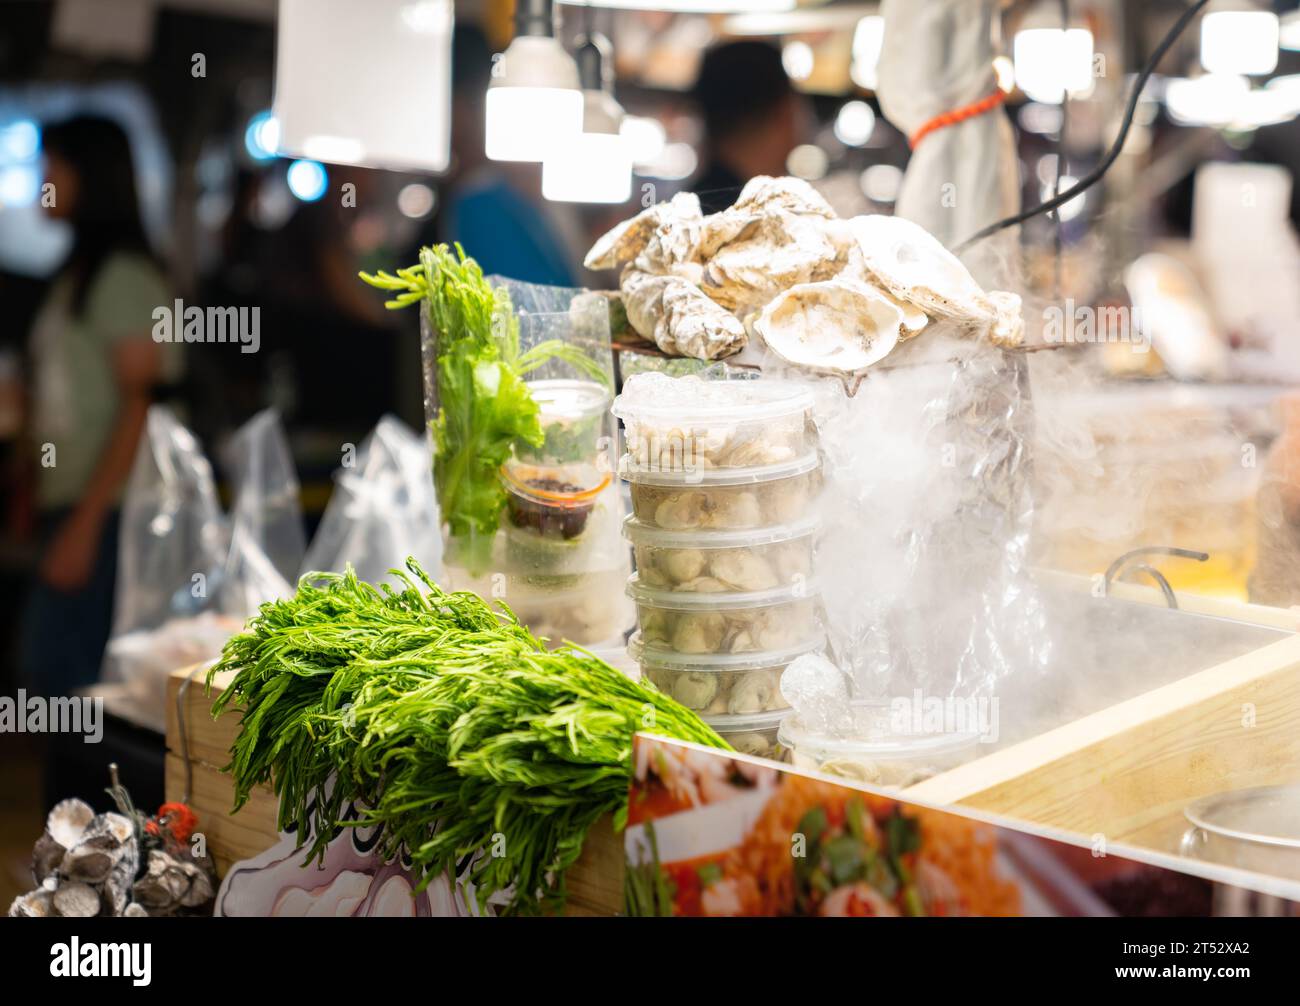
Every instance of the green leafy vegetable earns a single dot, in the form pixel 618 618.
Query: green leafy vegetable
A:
pixel 452 727
pixel 484 405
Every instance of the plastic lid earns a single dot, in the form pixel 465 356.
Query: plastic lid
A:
pixel 695 476
pixel 644 534
pixel 734 723
pixel 688 600
pixel 754 660
pixel 565 398
pixel 523 481
pixel 678 401
pixel 874 740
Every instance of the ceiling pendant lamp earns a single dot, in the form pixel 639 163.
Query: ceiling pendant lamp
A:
pixel 534 101
pixel 596 165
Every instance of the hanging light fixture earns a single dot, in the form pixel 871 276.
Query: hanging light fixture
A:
pixel 596 165
pixel 534 101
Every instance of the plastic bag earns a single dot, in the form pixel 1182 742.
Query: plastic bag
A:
pixel 266 535
pixel 187 576
pixel 382 510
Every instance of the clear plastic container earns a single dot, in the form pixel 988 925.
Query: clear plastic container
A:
pixel 728 499
pixel 709 561
pixel 757 735
pixel 686 622
pixel 722 684
pixel 687 424
pixel 552 501
pixel 573 415
pixel 876 752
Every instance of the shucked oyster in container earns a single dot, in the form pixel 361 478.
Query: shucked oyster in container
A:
pixel 711 561
pixel 872 748
pixel 726 499
pixel 688 424
pixel 703 622
pixel 723 684
pixel 757 735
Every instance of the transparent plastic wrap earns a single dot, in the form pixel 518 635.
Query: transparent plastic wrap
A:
pixel 556 555
pixel 927 515
pixel 382 509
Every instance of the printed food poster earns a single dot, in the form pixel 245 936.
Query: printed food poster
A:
pixel 716 834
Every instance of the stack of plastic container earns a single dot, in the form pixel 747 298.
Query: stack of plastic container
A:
pixel 724 479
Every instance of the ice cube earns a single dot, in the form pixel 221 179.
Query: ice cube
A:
pixel 819 693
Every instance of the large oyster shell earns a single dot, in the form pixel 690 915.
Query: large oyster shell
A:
pixel 761 197
pixel 841 325
pixel 674 314
pixel 665 235
pixel 913 266
pixel 778 251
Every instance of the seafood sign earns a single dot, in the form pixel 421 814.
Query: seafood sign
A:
pixel 714 833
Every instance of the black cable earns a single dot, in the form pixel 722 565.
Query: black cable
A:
pixel 1061 140
pixel 1112 155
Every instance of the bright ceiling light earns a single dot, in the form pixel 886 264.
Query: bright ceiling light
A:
pixel 855 123
pixel 1071 208
pixel 415 200
pixel 868 41
pixel 1288 31
pixel 307 180
pixel 808 162
pixel 1005 72
pixel 20 141
pixel 1213 99
pixel 327 113
pixel 262 136
pixel 677 161
pixel 1050 62
pixel 1239 41
pixel 645 138
pixel 589 168
pixel 880 183
pixel 596 165
pixel 534 101
pixel 798 60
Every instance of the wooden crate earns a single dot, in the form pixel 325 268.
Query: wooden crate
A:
pixel 595 882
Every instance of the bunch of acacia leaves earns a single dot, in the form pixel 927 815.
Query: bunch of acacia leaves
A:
pixel 470 746
pixel 484 405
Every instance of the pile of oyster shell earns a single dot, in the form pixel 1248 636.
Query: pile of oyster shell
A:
pixel 822 293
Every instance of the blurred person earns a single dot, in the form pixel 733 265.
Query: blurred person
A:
pixel 494 208
pixel 752 116
pixel 95 368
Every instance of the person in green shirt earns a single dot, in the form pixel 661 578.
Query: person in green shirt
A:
pixel 95 367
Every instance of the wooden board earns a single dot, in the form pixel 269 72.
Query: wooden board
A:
pixel 1127 771
pixel 230 837
pixel 207 740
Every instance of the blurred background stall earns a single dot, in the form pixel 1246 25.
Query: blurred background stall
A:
pixel 161 156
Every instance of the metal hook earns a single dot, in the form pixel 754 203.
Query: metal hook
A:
pixel 1113 570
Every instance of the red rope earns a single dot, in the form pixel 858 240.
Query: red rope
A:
pixel 958 115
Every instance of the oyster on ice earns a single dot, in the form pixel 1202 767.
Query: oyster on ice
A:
pixel 762 196
pixel 915 268
pixel 663 237
pixel 676 315
pixel 840 325
pixel 777 252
